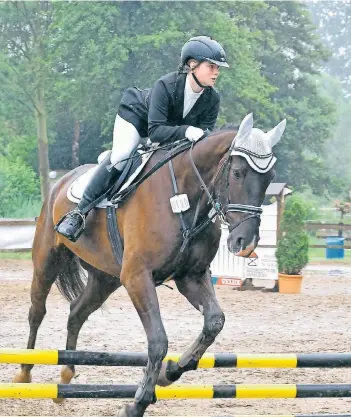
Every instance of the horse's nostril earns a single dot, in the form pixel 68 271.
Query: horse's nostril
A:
pixel 240 242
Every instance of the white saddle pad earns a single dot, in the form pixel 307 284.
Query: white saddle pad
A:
pixel 76 189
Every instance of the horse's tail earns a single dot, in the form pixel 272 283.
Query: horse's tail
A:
pixel 71 279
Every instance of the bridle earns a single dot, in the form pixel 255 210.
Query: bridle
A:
pixel 215 199
pixel 223 176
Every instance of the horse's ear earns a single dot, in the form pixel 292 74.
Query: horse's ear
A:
pixel 275 134
pixel 244 130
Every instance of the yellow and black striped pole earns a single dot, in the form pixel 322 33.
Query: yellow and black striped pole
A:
pixel 209 360
pixel 272 415
pixel 176 391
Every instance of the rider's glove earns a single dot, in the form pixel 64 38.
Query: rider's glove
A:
pixel 194 133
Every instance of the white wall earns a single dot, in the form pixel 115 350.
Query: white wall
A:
pixel 226 264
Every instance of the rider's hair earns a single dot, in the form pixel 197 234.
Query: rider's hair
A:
pixel 186 68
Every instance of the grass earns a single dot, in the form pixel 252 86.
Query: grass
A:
pixel 319 254
pixel 21 209
pixel 15 255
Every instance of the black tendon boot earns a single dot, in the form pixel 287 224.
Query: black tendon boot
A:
pixel 72 224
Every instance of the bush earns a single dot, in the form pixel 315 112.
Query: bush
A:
pixel 18 185
pixel 292 248
pixel 23 148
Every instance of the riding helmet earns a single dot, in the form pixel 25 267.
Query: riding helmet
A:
pixel 204 48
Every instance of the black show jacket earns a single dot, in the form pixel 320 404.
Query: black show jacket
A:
pixel 158 112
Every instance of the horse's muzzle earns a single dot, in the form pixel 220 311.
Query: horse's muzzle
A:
pixel 239 247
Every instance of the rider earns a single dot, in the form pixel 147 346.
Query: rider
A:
pixel 181 105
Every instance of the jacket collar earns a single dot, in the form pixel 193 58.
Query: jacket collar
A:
pixel 179 97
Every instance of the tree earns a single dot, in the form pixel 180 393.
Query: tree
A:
pixel 333 19
pixel 275 55
pixel 25 71
pixel 337 150
pixel 94 51
pixel 108 47
pixel 291 56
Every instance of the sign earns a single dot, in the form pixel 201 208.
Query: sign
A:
pixel 263 267
pixel 227 281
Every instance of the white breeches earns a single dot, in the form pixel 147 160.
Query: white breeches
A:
pixel 125 139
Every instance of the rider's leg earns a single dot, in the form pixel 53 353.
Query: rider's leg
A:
pixel 125 139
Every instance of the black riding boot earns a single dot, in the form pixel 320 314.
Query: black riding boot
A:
pixel 72 224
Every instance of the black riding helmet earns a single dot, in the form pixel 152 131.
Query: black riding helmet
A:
pixel 203 48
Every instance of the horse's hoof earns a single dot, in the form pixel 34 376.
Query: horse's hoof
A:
pixel 162 379
pixel 66 375
pixel 22 377
pixel 58 400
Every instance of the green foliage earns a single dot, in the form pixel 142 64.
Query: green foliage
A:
pixel 23 208
pixel 333 19
pixel 292 248
pixel 23 148
pixel 88 53
pixel 19 185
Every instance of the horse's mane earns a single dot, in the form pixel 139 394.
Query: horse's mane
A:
pixel 228 127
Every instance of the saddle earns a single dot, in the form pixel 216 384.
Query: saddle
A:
pixel 127 183
pixel 138 159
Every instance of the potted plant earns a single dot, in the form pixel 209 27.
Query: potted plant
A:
pixel 292 247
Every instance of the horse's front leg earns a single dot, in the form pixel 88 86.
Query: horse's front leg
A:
pixel 138 282
pixel 198 289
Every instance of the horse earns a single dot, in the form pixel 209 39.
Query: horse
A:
pixel 218 176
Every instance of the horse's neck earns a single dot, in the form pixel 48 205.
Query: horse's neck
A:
pixel 207 156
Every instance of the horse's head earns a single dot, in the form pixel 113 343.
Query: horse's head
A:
pixel 246 174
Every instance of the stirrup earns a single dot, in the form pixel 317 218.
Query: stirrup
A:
pixel 75 211
pixel 78 232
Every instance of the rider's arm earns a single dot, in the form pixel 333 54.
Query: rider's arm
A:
pixel 159 128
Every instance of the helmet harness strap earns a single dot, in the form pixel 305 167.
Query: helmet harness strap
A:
pixel 195 77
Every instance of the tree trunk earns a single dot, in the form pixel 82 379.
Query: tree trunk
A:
pixel 75 144
pixel 340 231
pixel 280 210
pixel 43 148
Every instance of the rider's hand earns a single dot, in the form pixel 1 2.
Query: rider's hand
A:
pixel 194 133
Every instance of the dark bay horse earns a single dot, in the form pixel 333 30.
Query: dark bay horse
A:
pixel 152 238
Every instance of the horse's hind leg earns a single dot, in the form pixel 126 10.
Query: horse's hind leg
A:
pixel 99 287
pixel 46 260
pixel 200 293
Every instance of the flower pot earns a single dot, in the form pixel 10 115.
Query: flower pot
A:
pixel 289 284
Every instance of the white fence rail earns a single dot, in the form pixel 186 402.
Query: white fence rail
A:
pixel 16 234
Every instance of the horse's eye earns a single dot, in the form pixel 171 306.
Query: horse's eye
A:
pixel 236 174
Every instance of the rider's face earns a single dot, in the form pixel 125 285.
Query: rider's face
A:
pixel 207 73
